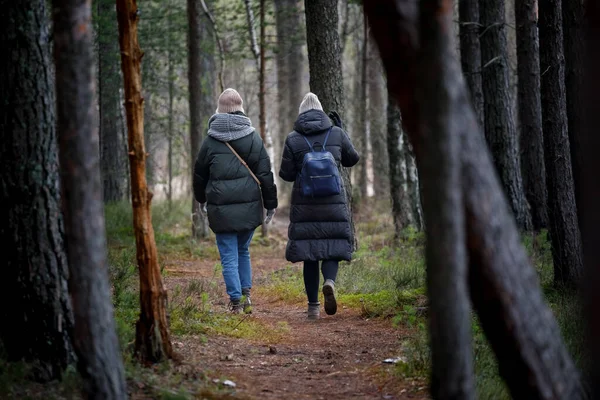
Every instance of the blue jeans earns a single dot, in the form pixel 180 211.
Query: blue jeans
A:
pixel 235 258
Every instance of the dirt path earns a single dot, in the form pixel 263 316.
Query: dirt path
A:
pixel 336 357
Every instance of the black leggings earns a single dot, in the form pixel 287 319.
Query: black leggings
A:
pixel 311 276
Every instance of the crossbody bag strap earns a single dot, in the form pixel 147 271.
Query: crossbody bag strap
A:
pixel 243 163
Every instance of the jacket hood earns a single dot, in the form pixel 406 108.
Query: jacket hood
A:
pixel 229 127
pixel 312 122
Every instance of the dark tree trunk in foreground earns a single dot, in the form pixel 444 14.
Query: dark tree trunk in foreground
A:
pixel 590 185
pixel 530 112
pixel 325 66
pixel 401 212
pixel 503 285
pixel 445 111
pixel 198 67
pixel 500 131
pixel 574 49
pixel 152 338
pixel 470 52
pixel 36 315
pixel 112 156
pixel 95 338
pixel 562 210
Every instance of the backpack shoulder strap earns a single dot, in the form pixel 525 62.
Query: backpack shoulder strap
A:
pixel 327 137
pixel 243 163
pixel 308 143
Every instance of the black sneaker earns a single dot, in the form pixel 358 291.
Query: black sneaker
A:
pixel 329 294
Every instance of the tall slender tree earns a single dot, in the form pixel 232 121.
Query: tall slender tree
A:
pixel 530 111
pixel 201 78
pixel 152 341
pixel 37 319
pixel 325 63
pixel 289 60
pixel 112 156
pixel 362 104
pixel 95 338
pixel 562 209
pixel 401 211
pixel 377 123
pixel 470 52
pixel 500 131
pixel 573 38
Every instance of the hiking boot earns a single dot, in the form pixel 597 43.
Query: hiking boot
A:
pixel 236 307
pixel 314 310
pixel 247 305
pixel 329 294
pixel 247 302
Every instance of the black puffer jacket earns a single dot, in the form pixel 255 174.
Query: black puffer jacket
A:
pixel 233 197
pixel 319 227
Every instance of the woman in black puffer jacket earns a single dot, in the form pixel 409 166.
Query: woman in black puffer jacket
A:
pixel 320 228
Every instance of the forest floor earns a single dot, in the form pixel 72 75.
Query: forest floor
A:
pixel 275 352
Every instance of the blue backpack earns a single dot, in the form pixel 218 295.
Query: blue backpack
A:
pixel 319 176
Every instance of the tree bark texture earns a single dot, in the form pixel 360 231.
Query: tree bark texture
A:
pixel 289 60
pixel 362 103
pixel 574 49
pixel 412 182
pixel 500 131
pixel 377 121
pixel 325 66
pixel 530 112
pixel 201 78
pixel 36 316
pixel 401 211
pixel 590 185
pixel 470 52
pixel 445 112
pixel 562 209
pixel 152 341
pixel 504 287
pixel 112 157
pixel 95 338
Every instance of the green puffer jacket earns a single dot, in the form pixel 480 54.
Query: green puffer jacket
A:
pixel 233 197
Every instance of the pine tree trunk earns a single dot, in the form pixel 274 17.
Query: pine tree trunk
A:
pixel 362 126
pixel 36 316
pixel 112 158
pixel 470 52
pixel 201 78
pixel 413 186
pixel 530 112
pixel 441 95
pixel 590 185
pixel 325 65
pixel 500 130
pixel 574 49
pixel 562 210
pixel 401 211
pixel 377 118
pixel 152 341
pixel 289 61
pixel 503 285
pixel 95 338
pixel 171 111
pixel 262 116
